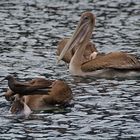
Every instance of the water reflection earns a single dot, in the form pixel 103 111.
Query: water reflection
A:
pixel 102 108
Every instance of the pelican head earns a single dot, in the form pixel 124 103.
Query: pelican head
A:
pixel 82 33
pixel 19 107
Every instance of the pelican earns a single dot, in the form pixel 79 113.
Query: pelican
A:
pixel 89 53
pixel 24 103
pixel 113 64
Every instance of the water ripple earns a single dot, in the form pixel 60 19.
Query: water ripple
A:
pixel 103 109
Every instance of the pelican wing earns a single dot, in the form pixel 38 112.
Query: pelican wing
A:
pixel 114 60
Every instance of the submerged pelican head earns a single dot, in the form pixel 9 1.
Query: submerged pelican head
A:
pixel 19 107
pixel 82 33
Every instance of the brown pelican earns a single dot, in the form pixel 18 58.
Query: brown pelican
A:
pixel 89 53
pixel 108 65
pixel 23 103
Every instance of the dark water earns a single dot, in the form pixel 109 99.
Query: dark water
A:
pixel 103 109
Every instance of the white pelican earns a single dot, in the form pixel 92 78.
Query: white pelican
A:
pixel 116 64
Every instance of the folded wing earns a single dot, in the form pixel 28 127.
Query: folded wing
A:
pixel 114 60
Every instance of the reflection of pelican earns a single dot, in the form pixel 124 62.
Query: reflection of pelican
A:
pixel 59 93
pixel 111 64
pixel 89 53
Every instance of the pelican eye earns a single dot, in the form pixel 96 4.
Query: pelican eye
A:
pixel 86 18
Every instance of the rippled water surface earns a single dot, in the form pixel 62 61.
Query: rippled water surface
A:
pixel 103 109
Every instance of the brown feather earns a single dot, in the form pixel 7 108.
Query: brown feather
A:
pixel 114 60
pixel 89 49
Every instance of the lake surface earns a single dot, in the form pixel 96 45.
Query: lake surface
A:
pixel 102 109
